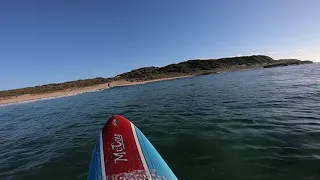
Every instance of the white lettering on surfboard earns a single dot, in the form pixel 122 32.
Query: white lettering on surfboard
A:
pixel 118 146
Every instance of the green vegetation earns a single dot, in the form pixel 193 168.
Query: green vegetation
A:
pixel 287 62
pixel 54 87
pixel 196 67
pixel 190 67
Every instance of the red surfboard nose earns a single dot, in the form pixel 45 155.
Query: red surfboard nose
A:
pixel 120 149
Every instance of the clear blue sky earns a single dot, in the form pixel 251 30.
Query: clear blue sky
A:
pixel 55 41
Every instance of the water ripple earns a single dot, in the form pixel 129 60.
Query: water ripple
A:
pixel 259 124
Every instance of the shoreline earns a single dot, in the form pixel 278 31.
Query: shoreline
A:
pixel 71 92
pixel 26 98
pixel 193 67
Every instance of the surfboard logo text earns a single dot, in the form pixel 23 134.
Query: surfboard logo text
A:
pixel 118 147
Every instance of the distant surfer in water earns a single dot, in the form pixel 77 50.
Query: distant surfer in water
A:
pixel 109 85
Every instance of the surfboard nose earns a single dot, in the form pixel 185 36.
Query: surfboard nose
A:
pixel 125 153
pixel 120 151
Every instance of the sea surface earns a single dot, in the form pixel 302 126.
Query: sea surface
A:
pixel 247 125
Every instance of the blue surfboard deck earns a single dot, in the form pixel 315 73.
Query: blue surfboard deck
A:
pixel 123 152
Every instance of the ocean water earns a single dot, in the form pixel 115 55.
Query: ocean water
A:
pixel 256 124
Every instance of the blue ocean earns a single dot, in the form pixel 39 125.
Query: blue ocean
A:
pixel 246 125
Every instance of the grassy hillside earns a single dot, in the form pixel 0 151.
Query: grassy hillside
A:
pixel 54 87
pixel 287 62
pixel 195 67
pixel 189 67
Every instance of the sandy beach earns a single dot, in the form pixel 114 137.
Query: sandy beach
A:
pixel 70 92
